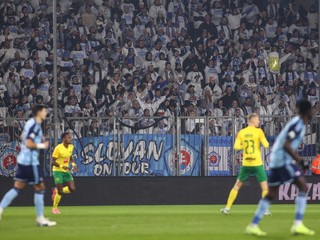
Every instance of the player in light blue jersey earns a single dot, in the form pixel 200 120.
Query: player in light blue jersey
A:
pixel 28 171
pixel 285 165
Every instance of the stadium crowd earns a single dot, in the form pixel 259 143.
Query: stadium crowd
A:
pixel 135 60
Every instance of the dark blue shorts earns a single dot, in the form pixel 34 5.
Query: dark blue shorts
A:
pixel 29 174
pixel 286 174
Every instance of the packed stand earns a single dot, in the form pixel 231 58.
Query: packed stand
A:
pixel 146 62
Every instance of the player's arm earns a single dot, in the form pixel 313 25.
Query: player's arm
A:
pixel 55 156
pixel 54 162
pixel 31 144
pixel 264 140
pixel 287 147
pixel 238 142
pixel 74 165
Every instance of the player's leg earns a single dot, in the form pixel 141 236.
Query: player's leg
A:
pixel 262 178
pixel 71 186
pixel 57 191
pixel 301 203
pixel 38 199
pixel 37 180
pixel 263 205
pixel 264 192
pixel 60 179
pixel 56 198
pixel 243 176
pixel 11 195
pixel 233 194
pixel 275 180
pixel 20 183
pixel 264 188
pixel 68 179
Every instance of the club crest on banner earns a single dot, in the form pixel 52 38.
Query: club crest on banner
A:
pixel 8 157
pixel 187 160
pixel 214 159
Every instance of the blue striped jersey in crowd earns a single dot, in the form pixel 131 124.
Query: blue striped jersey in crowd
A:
pixel 294 131
pixel 32 130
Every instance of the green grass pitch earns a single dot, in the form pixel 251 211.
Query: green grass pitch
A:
pixel 153 222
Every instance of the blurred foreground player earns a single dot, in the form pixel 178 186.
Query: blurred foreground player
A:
pixel 28 171
pixel 61 159
pixel 285 166
pixel 249 140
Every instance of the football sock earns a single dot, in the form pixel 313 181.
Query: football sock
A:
pixel 39 203
pixel 8 198
pixel 301 203
pixel 262 207
pixel 264 193
pixel 57 197
pixel 232 197
pixel 66 190
pixel 56 200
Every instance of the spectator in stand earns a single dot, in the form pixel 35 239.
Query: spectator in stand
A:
pixel 192 50
pixel 228 97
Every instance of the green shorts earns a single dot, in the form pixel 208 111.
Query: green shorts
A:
pixel 258 171
pixel 62 177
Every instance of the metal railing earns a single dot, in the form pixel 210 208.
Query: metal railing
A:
pixel 151 146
